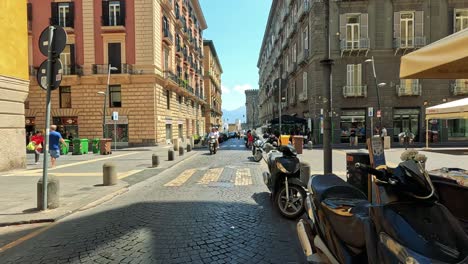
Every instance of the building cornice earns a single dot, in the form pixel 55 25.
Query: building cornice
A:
pixel 210 44
pixel 201 18
pixel 267 29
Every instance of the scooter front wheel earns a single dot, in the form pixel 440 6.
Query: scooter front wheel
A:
pixel 294 207
pixel 258 156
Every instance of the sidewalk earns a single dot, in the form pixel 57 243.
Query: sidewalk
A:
pixel 80 182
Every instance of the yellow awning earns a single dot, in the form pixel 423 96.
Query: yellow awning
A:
pixel 443 59
pixel 452 110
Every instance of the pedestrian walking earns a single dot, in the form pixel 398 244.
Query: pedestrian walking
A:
pixel 352 137
pixel 38 140
pixel 55 139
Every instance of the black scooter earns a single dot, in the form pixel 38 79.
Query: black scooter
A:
pixel 283 181
pixel 404 223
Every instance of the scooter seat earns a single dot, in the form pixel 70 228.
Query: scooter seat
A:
pixel 331 186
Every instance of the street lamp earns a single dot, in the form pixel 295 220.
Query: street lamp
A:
pixel 377 85
pixel 105 100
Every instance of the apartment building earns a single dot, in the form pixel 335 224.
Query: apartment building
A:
pixel 212 78
pixel 293 47
pixel 155 84
pixel 14 82
pixel 251 108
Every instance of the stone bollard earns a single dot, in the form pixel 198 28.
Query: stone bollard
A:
pixel 53 193
pixel 176 144
pixel 309 145
pixel 305 172
pixel 189 148
pixel 109 174
pixel 170 154
pixel 155 160
pixel 181 151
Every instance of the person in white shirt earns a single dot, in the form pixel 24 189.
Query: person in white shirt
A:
pixel 214 132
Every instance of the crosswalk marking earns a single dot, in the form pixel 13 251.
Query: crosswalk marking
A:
pixel 212 175
pixel 243 177
pixel 181 179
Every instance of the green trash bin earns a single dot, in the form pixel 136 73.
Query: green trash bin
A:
pixel 65 148
pixel 77 147
pixel 84 145
pixel 96 146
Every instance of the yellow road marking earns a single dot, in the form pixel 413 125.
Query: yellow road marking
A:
pixel 128 173
pixel 212 175
pixel 26 237
pixel 243 177
pixel 181 179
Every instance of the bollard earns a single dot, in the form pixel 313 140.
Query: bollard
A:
pixel 155 160
pixel 170 154
pixel 109 174
pixel 176 144
pixel 53 193
pixel 309 145
pixel 181 151
pixel 189 148
pixel 305 172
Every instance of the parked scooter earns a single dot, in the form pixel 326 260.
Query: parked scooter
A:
pixel 404 223
pixel 260 148
pixel 212 145
pixel 283 181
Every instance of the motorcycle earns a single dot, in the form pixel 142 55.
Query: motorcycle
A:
pixel 260 147
pixel 403 223
pixel 212 145
pixel 283 181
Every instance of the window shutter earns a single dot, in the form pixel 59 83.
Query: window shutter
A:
pixel 72 59
pixel 343 26
pixel 71 14
pixel 306 38
pixel 364 21
pixel 54 13
pixel 419 24
pixel 122 12
pixel 304 84
pixel 359 74
pixel 349 75
pixel 29 12
pixel 396 25
pixel 105 13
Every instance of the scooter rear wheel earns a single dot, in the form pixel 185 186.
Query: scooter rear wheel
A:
pixel 295 207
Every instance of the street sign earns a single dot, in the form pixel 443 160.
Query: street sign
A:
pixel 115 116
pixel 57 74
pixel 60 41
pixel 370 111
pixel 379 113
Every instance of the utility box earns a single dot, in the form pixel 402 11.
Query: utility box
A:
pixel 298 143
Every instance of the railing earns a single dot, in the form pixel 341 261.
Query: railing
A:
pixel 355 91
pixel 360 44
pixel 168 3
pixel 418 42
pixel 72 70
pixel 303 9
pixel 409 90
pixel 303 55
pixel 171 76
pixel 460 87
pixel 168 35
pixel 104 68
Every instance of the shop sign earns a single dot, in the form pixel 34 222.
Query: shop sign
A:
pixel 70 120
pixel 30 121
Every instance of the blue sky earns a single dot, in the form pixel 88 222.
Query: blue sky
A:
pixel 236 28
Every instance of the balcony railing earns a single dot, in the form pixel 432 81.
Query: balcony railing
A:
pixel 72 70
pixel 418 42
pixel 303 55
pixel 413 89
pixel 303 9
pixel 168 4
pixel 355 91
pixel 349 45
pixel 460 87
pixel 104 68
pixel 170 76
pixel 167 36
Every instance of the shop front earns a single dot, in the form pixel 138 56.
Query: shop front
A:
pixel 117 130
pixel 406 120
pixel 67 126
pixel 353 119
pixel 30 126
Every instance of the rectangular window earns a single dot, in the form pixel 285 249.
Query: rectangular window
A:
pixel 166 59
pixel 63 12
pixel 294 53
pixel 168 133
pixel 114 13
pixel 305 36
pixel 168 99
pixel 407 29
pixel 65 97
pixel 304 84
pixel 352 31
pixel 65 57
pixel 461 19
pixel 115 97
pixel 354 76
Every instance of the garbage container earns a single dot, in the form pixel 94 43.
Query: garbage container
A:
pixel 357 176
pixel 105 146
pixel 95 145
pixel 64 148
pixel 84 145
pixel 77 147
pixel 298 142
pixel 284 139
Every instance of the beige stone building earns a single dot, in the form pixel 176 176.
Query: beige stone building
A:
pixel 212 79
pixel 156 86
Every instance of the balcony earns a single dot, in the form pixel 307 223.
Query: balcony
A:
pixel 405 44
pixel 168 4
pixel 303 56
pixel 167 37
pixel 284 45
pixel 72 70
pixel 413 89
pixel 179 51
pixel 354 91
pixel 168 75
pixel 292 67
pixel 303 9
pixel 358 45
pixel 460 87
pixel 104 68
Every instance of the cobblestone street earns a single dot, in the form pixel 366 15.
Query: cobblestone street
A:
pixel 207 209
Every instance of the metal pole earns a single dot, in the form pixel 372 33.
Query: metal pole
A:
pixel 327 64
pixel 115 135
pixel 377 93
pixel 427 133
pixel 104 128
pixel 280 106
pixel 47 123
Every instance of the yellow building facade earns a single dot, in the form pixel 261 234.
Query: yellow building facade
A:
pixel 14 83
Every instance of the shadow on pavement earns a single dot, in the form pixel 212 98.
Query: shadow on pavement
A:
pixel 168 232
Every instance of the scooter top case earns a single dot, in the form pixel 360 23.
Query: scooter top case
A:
pixel 343 213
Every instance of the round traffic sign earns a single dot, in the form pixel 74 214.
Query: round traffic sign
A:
pixel 59 40
pixel 56 74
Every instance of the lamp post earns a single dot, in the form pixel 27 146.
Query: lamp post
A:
pixel 377 85
pixel 105 100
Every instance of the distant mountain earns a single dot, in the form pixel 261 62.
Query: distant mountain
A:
pixel 231 115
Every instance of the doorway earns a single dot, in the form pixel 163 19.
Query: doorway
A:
pixel 114 56
pixel 406 120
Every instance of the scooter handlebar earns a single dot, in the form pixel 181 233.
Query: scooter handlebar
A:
pixel 379 173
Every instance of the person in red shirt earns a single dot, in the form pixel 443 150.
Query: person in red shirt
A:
pixel 38 140
pixel 250 138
